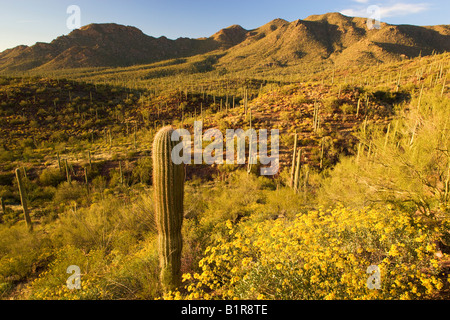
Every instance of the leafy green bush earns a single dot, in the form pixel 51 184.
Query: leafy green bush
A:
pixel 348 108
pixel 406 166
pixel 330 104
pixel 51 177
pixel 68 193
pixel 103 224
pixel 143 171
pixel 21 255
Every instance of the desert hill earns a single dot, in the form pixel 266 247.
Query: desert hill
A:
pixel 333 37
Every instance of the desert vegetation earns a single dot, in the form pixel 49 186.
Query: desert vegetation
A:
pixel 363 181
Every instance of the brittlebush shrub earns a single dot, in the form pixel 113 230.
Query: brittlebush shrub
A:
pixel 406 164
pixel 51 284
pixel 22 254
pixel 319 255
pixel 104 276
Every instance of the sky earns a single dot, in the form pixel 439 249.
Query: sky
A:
pixel 25 22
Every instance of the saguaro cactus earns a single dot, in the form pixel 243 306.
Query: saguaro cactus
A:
pixel 59 161
pixel 121 173
pixel 23 199
pixel 297 171
pixel 293 160
pixel 3 208
pixel 168 183
pixel 66 166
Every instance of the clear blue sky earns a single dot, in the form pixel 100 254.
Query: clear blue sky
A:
pixel 30 21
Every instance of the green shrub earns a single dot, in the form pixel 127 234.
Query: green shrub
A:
pixel 103 224
pixel 298 99
pixel 143 171
pixel 347 108
pixel 330 104
pixel 22 255
pixel 67 193
pixel 51 177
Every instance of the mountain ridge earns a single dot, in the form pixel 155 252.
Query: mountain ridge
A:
pixel 279 43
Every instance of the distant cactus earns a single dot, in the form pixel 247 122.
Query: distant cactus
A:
pixel 23 199
pixel 297 171
pixel 291 182
pixel 86 179
pixel 168 182
pixel 66 166
pixel 90 160
pixel 121 173
pixel 3 208
pixel 59 161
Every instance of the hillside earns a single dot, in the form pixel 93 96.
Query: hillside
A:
pixel 98 45
pixel 317 39
pixel 371 187
pixel 341 39
pixel 359 208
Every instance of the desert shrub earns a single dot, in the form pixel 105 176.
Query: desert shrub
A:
pixel 52 283
pixel 114 245
pixel 323 254
pixel 347 108
pixel 234 200
pixel 104 275
pixel 22 254
pixel 143 171
pixel 135 275
pixel 407 166
pixel 68 193
pixel 51 177
pixel 7 179
pixel 330 104
pixel 6 155
pixel 109 224
pixel 298 99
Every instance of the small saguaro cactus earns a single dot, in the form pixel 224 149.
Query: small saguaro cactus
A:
pixel 66 166
pixel 292 177
pixel 90 160
pixel 59 161
pixel 121 173
pixel 168 184
pixel 297 171
pixel 86 179
pixel 23 199
pixel 3 208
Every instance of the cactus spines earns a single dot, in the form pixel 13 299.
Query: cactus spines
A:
pixel 23 199
pixel 168 183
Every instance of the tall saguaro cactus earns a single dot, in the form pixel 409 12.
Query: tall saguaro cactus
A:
pixel 293 161
pixel 168 183
pixel 23 199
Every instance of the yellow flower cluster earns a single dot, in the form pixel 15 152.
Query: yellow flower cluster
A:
pixel 324 254
pixel 52 283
